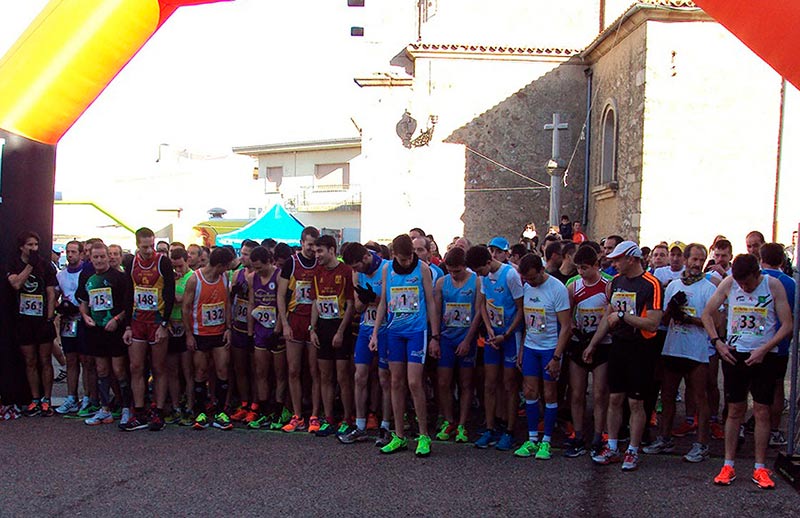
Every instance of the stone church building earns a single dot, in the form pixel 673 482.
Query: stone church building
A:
pixel 671 127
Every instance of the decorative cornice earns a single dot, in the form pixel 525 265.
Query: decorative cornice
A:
pixel 494 52
pixel 384 80
pixel 309 145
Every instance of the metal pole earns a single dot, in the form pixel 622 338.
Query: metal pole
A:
pixel 790 447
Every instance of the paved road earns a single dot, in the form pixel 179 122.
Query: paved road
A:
pixel 60 467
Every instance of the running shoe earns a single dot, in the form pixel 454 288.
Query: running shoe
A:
pixel 684 429
pixel 395 444
pixel 631 461
pixel 326 429
pixel 344 427
pixel 281 420
pixel 607 456
pixel 124 417
pixel 240 413
pixel 660 445
pixel 261 421
pixel 574 447
pixel 762 478
pixel 33 409
pixel 461 434
pixel 222 421
pixel 174 417
pixel 446 431
pixel 69 406
pixel 372 421
pixel 528 449
pixel 423 446
pixel 102 416
pixel 47 408
pixel 354 435
pixel 314 424
pixel 506 442
pixel 543 453
pixel 252 414
pixel 698 453
pixel 88 408
pixel 156 421
pixel 596 448
pixel 116 412
pixel 776 439
pixel 487 439
pixel 187 418
pixel 296 423
pixel 726 476
pixel 717 431
pixel 200 422
pixel 384 438
pixel 137 422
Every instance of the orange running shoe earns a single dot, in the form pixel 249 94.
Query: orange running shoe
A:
pixel 314 424
pixel 717 431
pixel 762 478
pixel 240 413
pixel 728 475
pixel 372 422
pixel 296 423
pixel 684 429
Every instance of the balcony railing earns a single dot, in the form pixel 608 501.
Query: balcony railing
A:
pixel 322 198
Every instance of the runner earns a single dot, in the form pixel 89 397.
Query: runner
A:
pixel 685 354
pixel 502 314
pixel 115 257
pixel 294 310
pixel 331 313
pixel 756 303
pixel 408 296
pixel 552 254
pixel 34 281
pixel 672 271
pixel 588 301
pixel 72 330
pixel 609 245
pixel 264 328
pixel 368 268
pixel 632 318
pixel 102 299
pixel 754 241
pixel 568 268
pixel 179 359
pixel 721 268
pixel 242 345
pixel 194 252
pixel 659 257
pixel 150 305
pixel 457 295
pixel 206 317
pixel 422 248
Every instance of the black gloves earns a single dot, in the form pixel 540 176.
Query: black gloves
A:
pixel 366 295
pixel 675 307
pixel 34 259
pixel 67 309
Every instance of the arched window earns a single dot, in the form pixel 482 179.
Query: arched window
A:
pixel 608 155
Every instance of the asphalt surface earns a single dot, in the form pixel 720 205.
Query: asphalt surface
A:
pixel 60 467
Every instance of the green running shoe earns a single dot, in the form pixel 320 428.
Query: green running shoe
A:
pixel 282 420
pixel 116 413
pixel 461 434
pixel 395 445
pixel 88 411
pixel 325 429
pixel 261 422
pixel 423 446
pixel 543 453
pixel 222 421
pixel 200 422
pixel 344 428
pixel 528 449
pixel 445 431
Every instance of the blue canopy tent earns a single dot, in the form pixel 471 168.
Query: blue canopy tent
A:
pixel 275 223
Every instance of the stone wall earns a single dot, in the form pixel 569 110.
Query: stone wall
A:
pixel 512 133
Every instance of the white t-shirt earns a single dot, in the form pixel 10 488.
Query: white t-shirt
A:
pixel 541 305
pixel 688 341
pixel 665 274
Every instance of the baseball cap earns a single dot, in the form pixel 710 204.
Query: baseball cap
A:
pixel 680 244
pixel 628 248
pixel 498 242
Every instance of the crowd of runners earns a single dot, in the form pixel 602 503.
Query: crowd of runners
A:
pixel 362 341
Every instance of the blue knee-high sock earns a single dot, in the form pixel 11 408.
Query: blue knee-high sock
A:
pixel 532 411
pixel 550 414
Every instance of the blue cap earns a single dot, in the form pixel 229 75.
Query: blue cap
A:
pixel 499 242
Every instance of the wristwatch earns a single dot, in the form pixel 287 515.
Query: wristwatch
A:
pixel 621 315
pixel 163 324
pixel 715 340
pixel 310 328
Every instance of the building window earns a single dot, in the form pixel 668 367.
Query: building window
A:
pixel 331 177
pixel 608 155
pixel 275 175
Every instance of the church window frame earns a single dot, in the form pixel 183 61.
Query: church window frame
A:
pixel 609 140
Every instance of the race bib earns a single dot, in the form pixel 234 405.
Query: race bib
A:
pixel 213 314
pixel 69 327
pixel 748 320
pixel 265 315
pixel 589 318
pixel 457 314
pixel 240 310
pixel 302 292
pixel 496 315
pixel 684 328
pixel 328 307
pixel 145 299
pixel 176 328
pixel 100 299
pixel 404 299
pixel 624 301
pixel 370 315
pixel 31 305
pixel 535 320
